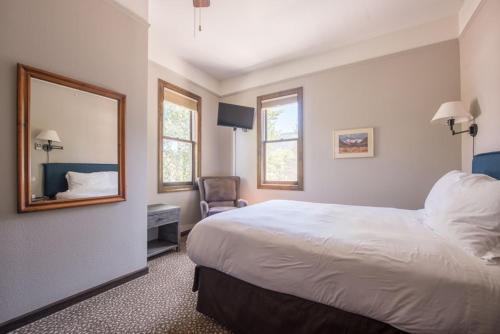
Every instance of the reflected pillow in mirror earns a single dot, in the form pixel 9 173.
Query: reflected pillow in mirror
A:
pixel 92 182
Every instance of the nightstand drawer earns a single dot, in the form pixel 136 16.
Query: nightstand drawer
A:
pixel 162 218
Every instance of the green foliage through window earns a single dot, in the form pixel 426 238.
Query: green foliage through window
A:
pixel 281 161
pixel 177 161
pixel 280 143
pixel 178 143
pixel 176 121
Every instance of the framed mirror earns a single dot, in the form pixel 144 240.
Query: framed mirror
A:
pixel 71 142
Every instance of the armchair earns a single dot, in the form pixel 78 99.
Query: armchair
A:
pixel 219 194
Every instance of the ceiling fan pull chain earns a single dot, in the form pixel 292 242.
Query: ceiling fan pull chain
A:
pixel 199 4
pixel 199 20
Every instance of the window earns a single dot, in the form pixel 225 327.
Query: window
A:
pixel 178 138
pixel 279 135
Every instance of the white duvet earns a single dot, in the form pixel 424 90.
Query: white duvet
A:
pixel 85 194
pixel 382 263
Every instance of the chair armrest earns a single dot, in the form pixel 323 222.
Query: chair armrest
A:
pixel 240 203
pixel 204 209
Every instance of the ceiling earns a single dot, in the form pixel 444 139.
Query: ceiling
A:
pixel 240 36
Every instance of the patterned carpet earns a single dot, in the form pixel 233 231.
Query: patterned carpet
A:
pixel 160 302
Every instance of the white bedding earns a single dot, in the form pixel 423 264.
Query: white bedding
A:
pixel 85 194
pixel 86 185
pixel 382 263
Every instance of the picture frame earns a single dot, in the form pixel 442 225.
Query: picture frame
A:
pixel 353 143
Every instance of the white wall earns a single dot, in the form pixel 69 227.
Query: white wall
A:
pixel 215 144
pixel 480 78
pixel 430 33
pixel 397 95
pixel 47 256
pixel 137 8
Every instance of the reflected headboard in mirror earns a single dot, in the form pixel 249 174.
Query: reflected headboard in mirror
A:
pixel 487 163
pixel 65 125
pixel 54 175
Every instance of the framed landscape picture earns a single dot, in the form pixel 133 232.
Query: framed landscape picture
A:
pixel 353 143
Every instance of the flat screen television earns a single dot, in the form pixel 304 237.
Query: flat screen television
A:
pixel 235 116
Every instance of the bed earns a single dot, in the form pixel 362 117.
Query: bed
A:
pixel 298 267
pixel 56 181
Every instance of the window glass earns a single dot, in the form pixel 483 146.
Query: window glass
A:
pixel 177 161
pixel 176 121
pixel 281 161
pixel 282 122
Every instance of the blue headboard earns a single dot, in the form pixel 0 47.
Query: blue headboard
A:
pixel 487 163
pixel 54 174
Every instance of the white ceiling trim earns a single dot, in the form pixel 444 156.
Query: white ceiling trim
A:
pixel 434 32
pixel 183 68
pixel 431 33
pixel 466 12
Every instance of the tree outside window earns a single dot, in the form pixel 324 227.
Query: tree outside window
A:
pixel 179 154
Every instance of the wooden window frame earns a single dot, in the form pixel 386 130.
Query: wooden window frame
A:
pixel 196 143
pixel 261 148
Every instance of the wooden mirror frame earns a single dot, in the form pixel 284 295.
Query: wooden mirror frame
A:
pixel 25 204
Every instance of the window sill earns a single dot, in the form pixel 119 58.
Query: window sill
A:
pixel 280 186
pixel 169 189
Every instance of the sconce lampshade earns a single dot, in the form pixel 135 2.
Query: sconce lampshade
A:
pixel 49 135
pixel 452 110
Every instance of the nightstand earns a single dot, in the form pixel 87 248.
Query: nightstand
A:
pixel 163 228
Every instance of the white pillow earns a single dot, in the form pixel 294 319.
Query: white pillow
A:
pixel 465 208
pixel 92 182
pixel 441 190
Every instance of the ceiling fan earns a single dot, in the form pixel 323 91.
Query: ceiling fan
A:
pixel 199 4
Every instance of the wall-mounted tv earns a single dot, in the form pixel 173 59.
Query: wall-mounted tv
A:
pixel 235 116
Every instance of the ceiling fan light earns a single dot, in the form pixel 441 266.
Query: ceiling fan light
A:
pixel 201 3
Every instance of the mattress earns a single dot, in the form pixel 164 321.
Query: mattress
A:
pixel 381 263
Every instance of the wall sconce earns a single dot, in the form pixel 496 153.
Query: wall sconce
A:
pixel 452 113
pixel 50 136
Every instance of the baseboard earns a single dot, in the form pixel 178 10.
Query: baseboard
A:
pixel 66 302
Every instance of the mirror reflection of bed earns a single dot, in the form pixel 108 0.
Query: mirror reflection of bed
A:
pixel 74 136
pixel 65 181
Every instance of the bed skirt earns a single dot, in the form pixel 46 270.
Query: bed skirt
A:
pixel 247 309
